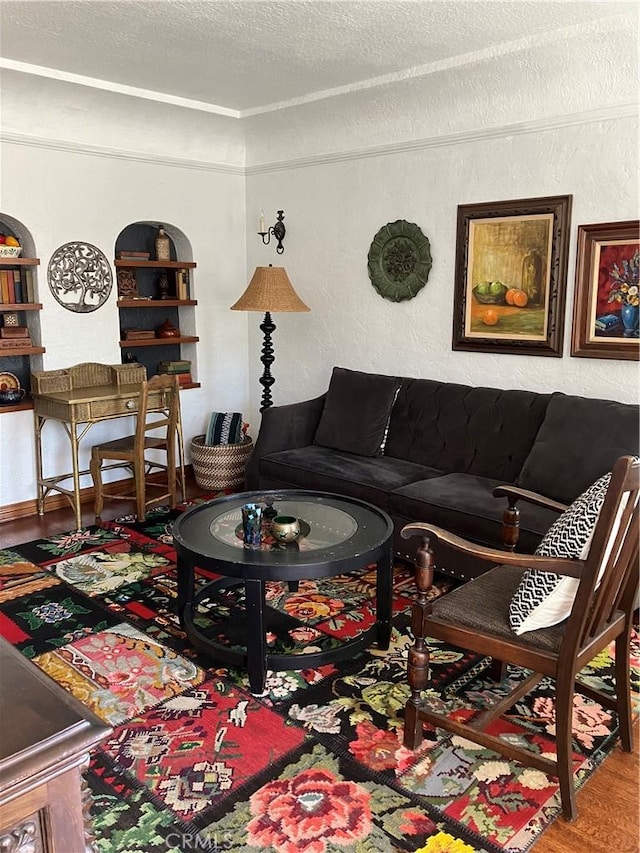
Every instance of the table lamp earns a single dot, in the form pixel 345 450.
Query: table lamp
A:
pixel 269 290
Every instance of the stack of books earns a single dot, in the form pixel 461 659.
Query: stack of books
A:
pixel 13 337
pixel 180 368
pixel 16 286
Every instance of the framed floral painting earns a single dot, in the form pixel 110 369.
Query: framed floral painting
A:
pixel 511 272
pixel 607 297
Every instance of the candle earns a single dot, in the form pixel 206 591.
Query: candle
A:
pixel 262 228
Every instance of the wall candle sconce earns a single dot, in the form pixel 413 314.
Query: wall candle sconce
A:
pixel 278 230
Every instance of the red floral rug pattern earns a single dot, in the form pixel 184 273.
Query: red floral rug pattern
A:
pixel 316 764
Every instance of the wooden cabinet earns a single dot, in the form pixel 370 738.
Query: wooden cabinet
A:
pixel 47 737
pixel 19 304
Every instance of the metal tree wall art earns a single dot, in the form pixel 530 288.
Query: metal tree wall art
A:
pixel 79 277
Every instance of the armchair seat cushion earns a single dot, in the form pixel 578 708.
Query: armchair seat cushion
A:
pixel 465 503
pixel 370 479
pixel 483 605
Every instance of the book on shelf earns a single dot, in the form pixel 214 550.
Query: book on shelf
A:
pixel 28 286
pixel 180 366
pixel 14 332
pixel 138 334
pixel 7 289
pixel 17 286
pixel 184 378
pixel 126 255
pixel 182 284
pixel 14 343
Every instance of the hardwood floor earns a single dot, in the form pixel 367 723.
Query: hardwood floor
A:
pixel 607 805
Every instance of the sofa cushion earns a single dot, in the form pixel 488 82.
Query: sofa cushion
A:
pixel 464 504
pixel 366 478
pixel 356 412
pixel 579 441
pixel 543 599
pixel 460 429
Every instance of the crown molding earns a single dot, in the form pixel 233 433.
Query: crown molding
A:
pixel 603 114
pixel 117 153
pixel 613 113
pixel 115 88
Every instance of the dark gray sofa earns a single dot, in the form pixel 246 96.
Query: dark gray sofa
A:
pixel 446 448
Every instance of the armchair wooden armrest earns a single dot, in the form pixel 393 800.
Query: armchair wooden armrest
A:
pixel 511 515
pixel 430 533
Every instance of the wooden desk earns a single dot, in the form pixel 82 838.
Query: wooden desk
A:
pixel 79 397
pixel 45 741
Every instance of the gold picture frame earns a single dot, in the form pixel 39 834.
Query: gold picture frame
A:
pixel 511 272
pixel 605 309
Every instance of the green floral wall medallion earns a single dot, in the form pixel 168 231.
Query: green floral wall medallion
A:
pixel 399 260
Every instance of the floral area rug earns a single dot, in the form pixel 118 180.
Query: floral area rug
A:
pixel 314 765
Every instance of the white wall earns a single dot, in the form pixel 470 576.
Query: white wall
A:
pixel 560 119
pixel 76 164
pixel 62 194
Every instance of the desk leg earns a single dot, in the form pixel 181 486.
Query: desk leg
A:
pixel 75 467
pixel 384 599
pixel 186 588
pixel 38 422
pixel 256 645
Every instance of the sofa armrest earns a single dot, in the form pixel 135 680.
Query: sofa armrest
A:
pixel 283 428
pixel 511 515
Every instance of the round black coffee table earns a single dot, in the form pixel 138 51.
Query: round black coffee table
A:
pixel 338 535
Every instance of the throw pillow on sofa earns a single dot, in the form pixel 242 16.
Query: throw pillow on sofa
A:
pixel 543 599
pixel 356 412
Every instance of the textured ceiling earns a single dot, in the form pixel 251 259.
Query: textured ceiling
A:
pixel 246 56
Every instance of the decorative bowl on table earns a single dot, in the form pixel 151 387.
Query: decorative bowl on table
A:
pixel 10 251
pixel 285 528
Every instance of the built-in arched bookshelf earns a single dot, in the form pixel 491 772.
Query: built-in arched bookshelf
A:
pixel 20 351
pixel 153 293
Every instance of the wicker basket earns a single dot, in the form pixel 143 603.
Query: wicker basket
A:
pixel 220 466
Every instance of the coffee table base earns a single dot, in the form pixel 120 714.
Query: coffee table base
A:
pixel 257 659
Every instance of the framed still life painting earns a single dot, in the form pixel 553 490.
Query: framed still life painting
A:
pixel 511 272
pixel 605 311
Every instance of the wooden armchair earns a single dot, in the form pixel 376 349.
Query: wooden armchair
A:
pixel 476 617
pixel 511 515
pixel 156 430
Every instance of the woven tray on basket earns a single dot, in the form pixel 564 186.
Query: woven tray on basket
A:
pixel 220 466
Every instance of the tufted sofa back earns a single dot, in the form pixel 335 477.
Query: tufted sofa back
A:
pixel 458 428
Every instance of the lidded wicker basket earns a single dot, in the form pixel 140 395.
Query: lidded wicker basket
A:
pixel 220 466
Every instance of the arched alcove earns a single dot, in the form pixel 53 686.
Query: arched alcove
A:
pixel 156 294
pixel 20 336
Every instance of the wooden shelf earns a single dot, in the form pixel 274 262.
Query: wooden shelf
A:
pixel 12 307
pixel 155 303
pixel 19 262
pixel 157 342
pixel 4 353
pixel 167 265
pixel 23 406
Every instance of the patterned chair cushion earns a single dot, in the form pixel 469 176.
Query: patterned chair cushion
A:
pixel 543 599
